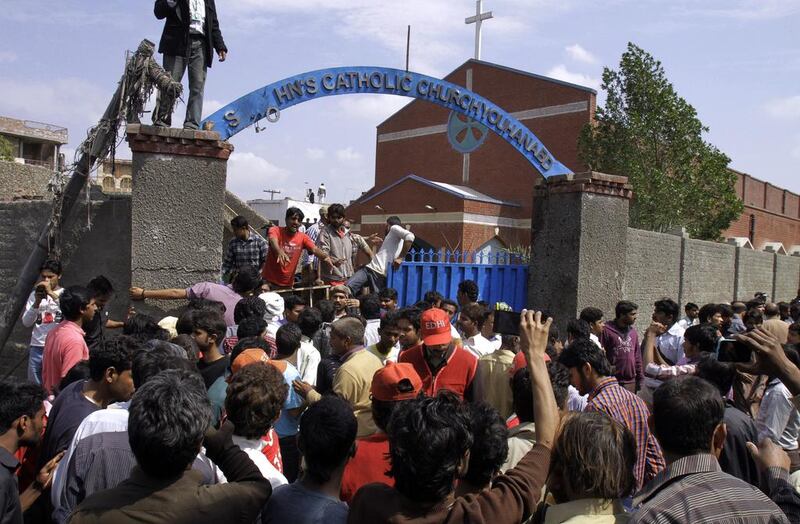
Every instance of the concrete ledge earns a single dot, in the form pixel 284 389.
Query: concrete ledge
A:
pixel 174 141
pixel 588 182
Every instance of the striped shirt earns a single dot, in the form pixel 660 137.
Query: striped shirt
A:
pixel 694 489
pixel 620 404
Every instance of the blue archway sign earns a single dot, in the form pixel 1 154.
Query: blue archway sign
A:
pixel 267 103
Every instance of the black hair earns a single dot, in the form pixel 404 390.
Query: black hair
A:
pixel 327 437
pixel 470 289
pixel 292 301
pixel 327 310
pixel 394 221
pixel 73 300
pixel 18 398
pixel 80 371
pixel 707 312
pixel 725 310
pixel 247 279
pixel 336 209
pixel 189 345
pixel 100 286
pixel 489 444
pixel 754 316
pixel 143 328
pixel 582 351
pixel 476 313
pixel 212 323
pixel 388 293
pixel 370 306
pixel 249 343
pixel 720 374
pixel 52 265
pixel 294 212
pixel 624 307
pixel 794 327
pixel 185 323
pixel 702 335
pixel 522 389
pixel 287 339
pixel 389 320
pixel 251 327
pixel 249 307
pixel 147 364
pixel 432 297
pixel 239 222
pixel 422 305
pixel 578 328
pixel 309 321
pixel 169 416
pixel 450 302
pixel 410 314
pixel 382 411
pixel 554 334
pixel 690 305
pixel 199 304
pixel 114 352
pixel 428 438
pixel 668 307
pixel 686 411
pixel 591 314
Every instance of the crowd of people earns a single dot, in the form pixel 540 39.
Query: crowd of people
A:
pixel 253 406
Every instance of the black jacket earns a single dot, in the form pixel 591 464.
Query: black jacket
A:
pixel 175 38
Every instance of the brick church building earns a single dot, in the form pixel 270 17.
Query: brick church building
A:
pixel 481 201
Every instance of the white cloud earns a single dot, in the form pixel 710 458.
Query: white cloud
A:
pixel 375 108
pixel 315 153
pixel 61 101
pixel 748 10
pixel 249 175
pixel 7 57
pixel 211 106
pixel 794 152
pixel 784 108
pixel 560 72
pixel 348 154
pixel 579 54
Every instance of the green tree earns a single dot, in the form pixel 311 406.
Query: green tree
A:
pixel 648 133
pixel 6 149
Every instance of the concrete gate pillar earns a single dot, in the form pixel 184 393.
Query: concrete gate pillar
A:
pixel 579 233
pixel 177 206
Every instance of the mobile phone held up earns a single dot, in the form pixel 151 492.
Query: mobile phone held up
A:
pixel 506 322
pixel 729 350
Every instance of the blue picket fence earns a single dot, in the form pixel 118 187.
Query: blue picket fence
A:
pixel 501 277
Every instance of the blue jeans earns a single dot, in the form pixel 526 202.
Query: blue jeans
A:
pixel 176 66
pixel 35 364
pixel 366 277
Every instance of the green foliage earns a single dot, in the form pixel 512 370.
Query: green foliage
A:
pixel 653 136
pixel 6 149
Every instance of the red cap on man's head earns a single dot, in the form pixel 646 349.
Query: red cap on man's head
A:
pixel 435 327
pixel 395 382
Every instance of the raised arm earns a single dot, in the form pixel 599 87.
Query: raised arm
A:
pixel 649 352
pixel 163 8
pixel 533 341
pixel 138 293
pixel 771 360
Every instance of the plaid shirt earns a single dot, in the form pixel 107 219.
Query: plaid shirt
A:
pixel 694 489
pixel 313 233
pixel 243 253
pixel 622 405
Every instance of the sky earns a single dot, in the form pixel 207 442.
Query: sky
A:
pixel 736 61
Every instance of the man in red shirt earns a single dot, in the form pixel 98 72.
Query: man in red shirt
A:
pixel 286 244
pixel 391 386
pixel 65 345
pixel 441 363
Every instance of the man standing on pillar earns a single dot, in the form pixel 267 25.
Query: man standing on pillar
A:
pixel 191 35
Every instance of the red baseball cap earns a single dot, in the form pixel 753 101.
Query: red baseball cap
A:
pixel 520 362
pixel 435 326
pixel 396 382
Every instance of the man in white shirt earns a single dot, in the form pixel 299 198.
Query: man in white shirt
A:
pixel 692 311
pixel 471 321
pixel 42 313
pixel 392 251
pixel 594 317
pixel 670 341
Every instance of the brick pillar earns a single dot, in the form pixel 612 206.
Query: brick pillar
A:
pixel 177 207
pixel 579 233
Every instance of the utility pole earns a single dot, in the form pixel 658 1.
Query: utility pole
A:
pixel 272 193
